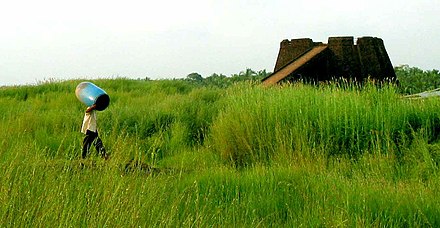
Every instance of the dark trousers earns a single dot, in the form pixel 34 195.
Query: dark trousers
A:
pixel 88 141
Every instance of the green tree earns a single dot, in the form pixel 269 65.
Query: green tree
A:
pixel 415 80
pixel 218 80
pixel 195 77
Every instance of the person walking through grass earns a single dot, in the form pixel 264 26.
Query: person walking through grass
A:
pixel 89 128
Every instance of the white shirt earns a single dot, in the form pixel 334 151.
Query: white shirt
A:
pixel 89 122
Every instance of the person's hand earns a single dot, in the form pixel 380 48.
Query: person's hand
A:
pixel 91 108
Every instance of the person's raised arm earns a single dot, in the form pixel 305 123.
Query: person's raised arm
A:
pixel 91 108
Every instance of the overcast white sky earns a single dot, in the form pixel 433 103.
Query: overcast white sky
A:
pixel 56 39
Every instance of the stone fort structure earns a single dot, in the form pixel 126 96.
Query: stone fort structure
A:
pixel 341 57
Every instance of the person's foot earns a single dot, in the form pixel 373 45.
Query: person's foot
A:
pixel 105 156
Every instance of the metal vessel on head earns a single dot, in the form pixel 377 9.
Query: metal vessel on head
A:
pixel 90 94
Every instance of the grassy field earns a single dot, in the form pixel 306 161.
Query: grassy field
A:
pixel 185 155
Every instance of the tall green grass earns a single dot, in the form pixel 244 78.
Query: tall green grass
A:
pixel 245 156
pixel 261 124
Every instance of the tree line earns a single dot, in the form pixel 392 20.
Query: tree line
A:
pixel 223 81
pixel 411 79
pixel 414 80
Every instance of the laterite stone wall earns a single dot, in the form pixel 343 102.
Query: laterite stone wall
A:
pixel 344 58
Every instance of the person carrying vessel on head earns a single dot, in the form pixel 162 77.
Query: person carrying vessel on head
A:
pixel 89 128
